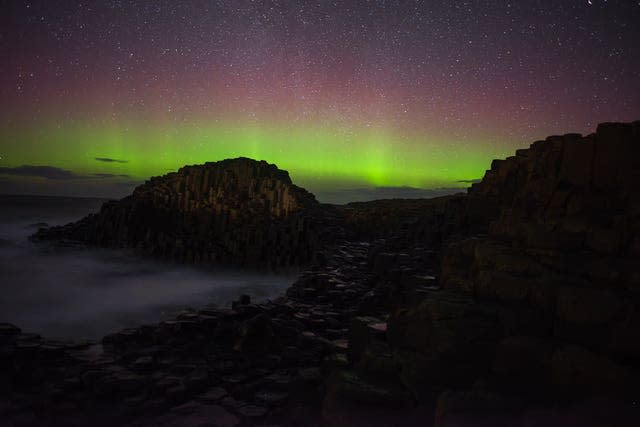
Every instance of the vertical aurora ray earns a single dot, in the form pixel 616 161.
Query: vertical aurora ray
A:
pixel 366 156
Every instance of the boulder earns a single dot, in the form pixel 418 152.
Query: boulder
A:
pixel 362 332
pixel 255 335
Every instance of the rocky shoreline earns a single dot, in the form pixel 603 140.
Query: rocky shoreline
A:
pixel 515 304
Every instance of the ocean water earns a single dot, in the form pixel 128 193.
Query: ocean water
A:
pixel 80 293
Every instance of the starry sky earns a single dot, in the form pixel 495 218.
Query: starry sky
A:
pixel 359 97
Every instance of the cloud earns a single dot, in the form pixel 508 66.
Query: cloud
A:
pixel 110 175
pixel 51 173
pixel 110 160
pixel 470 181
pixel 28 180
pixel 48 172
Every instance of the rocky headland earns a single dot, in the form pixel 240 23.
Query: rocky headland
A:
pixel 238 212
pixel 515 304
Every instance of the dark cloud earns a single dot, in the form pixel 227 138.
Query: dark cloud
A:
pixel 377 193
pixel 52 172
pixel 470 181
pixel 48 172
pixel 50 180
pixel 110 160
pixel 110 175
pixel 88 186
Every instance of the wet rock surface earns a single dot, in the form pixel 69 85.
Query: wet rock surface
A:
pixel 516 304
pixel 249 364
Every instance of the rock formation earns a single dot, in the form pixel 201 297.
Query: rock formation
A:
pixel 235 212
pixel 516 304
pixel 545 304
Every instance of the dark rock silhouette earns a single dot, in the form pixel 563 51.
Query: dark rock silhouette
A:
pixel 516 304
pixel 235 212
pixel 546 301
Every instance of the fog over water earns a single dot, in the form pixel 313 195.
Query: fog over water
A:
pixel 80 293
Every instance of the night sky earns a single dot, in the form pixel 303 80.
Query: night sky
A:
pixel 98 95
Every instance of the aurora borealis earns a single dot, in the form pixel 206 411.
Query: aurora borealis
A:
pixel 343 94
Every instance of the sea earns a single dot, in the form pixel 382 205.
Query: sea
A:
pixel 84 293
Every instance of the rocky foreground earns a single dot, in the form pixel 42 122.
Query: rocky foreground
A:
pixel 516 304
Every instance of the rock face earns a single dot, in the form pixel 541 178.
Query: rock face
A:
pixel 236 211
pixel 544 304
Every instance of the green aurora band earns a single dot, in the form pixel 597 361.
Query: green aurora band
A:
pixel 316 156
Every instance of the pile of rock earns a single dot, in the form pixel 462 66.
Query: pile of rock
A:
pixel 235 212
pixel 562 258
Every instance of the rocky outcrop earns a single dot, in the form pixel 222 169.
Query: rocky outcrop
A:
pixel 545 304
pixel 235 212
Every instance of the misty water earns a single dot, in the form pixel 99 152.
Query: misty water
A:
pixel 80 293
